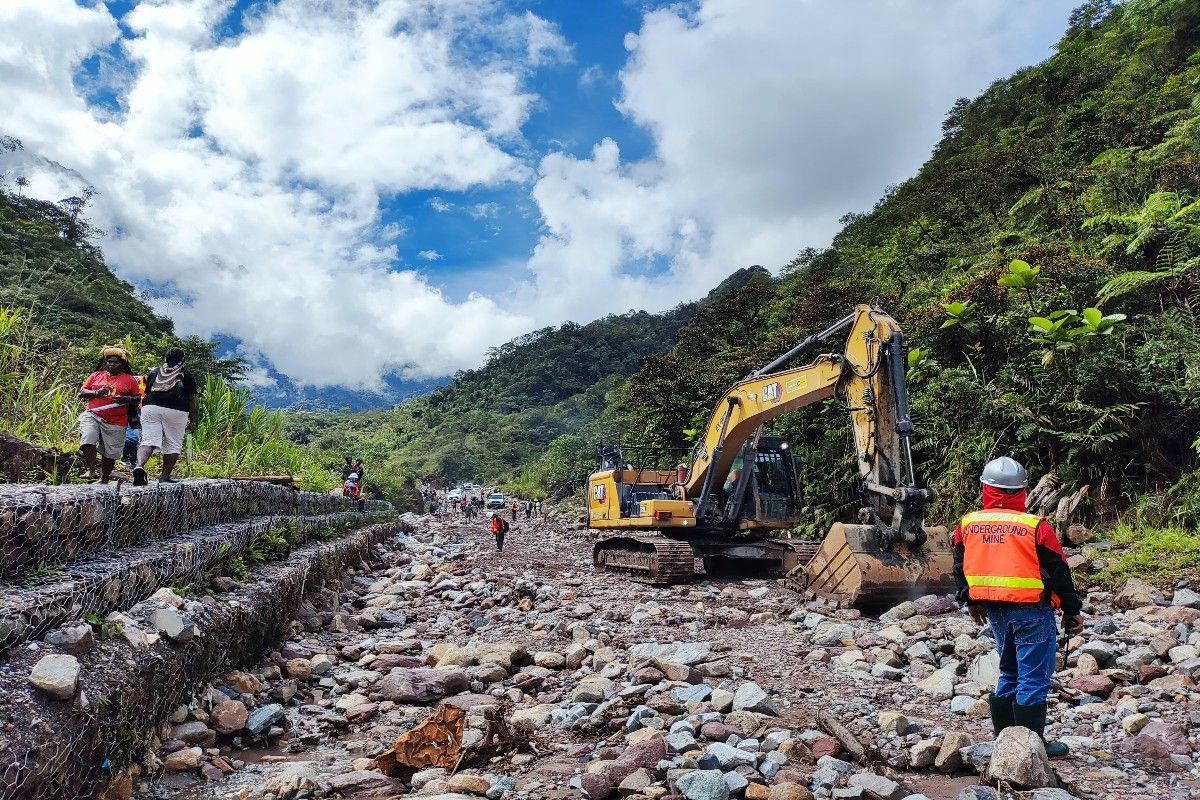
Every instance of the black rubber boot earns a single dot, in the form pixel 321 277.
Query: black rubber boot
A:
pixel 1002 713
pixel 1034 718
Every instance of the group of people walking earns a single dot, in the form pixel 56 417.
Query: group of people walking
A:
pixel 499 526
pixel 149 413
pixel 471 507
pixel 353 473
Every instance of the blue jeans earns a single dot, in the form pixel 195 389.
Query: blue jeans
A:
pixel 1026 637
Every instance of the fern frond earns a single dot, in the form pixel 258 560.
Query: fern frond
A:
pixel 1029 198
pixel 1192 209
pixel 1128 282
pixel 1110 219
pixel 1173 252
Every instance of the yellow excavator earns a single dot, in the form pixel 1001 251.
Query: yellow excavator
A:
pixel 741 489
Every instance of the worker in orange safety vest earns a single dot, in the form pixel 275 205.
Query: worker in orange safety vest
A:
pixel 1011 573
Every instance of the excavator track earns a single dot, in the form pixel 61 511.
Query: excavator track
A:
pixel 646 558
pixel 726 558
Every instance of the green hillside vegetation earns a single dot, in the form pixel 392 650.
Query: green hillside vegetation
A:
pixel 1043 262
pixel 59 304
pixel 525 420
pixel 492 421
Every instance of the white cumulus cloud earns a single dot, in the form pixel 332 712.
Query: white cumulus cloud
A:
pixel 246 173
pixel 770 119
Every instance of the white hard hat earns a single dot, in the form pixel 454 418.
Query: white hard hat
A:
pixel 1004 473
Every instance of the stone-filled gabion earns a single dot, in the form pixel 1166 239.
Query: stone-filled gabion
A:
pixel 66 750
pixel 49 526
pixel 116 580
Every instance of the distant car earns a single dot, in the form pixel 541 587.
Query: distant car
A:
pixel 495 500
pixel 453 495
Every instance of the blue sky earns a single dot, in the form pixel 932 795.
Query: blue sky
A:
pixel 485 232
pixel 360 192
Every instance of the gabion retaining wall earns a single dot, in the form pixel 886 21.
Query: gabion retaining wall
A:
pixel 115 581
pixel 43 526
pixel 58 750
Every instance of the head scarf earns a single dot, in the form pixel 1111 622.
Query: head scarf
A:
pixel 114 350
pixel 999 498
pixel 167 377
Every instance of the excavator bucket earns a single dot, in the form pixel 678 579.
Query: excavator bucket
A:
pixel 853 569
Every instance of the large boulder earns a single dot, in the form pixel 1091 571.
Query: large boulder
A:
pixel 229 717
pixel 77 639
pixel 642 755
pixel 448 655
pixel 421 685
pixel 877 786
pixel 703 784
pixel 56 675
pixel 751 697
pixel 728 757
pixel 359 780
pixel 1136 593
pixel 172 624
pixel 1186 597
pixel 193 732
pixel 596 785
pixel 985 670
pixel 1097 685
pixel 262 718
pixel 593 689
pixel 502 654
pixel 689 653
pixel 949 757
pixel 183 760
pixel 1159 740
pixel 1019 758
pixel 939 685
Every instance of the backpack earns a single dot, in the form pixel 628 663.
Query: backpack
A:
pixel 173 394
pixel 503 525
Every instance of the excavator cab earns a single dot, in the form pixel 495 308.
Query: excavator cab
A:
pixel 767 496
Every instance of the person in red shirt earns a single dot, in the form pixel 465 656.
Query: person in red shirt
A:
pixel 109 392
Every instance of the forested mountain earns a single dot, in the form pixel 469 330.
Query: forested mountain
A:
pixel 1068 187
pixel 491 423
pixel 1043 262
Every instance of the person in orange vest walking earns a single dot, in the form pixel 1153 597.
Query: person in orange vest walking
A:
pixel 499 527
pixel 1010 571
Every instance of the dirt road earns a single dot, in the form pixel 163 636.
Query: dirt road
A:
pixel 591 669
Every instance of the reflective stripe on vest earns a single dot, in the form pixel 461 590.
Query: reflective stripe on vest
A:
pixel 1000 556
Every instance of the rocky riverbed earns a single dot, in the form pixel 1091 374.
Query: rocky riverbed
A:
pixel 568 684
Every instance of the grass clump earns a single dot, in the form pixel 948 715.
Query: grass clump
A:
pixel 1168 553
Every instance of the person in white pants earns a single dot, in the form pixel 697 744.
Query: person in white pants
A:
pixel 168 410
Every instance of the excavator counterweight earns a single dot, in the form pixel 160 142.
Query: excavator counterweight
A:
pixel 735 502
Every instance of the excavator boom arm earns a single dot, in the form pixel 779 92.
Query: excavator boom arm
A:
pixel 868 375
pixel 751 403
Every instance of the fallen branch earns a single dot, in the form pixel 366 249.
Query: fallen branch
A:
pixel 837 730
